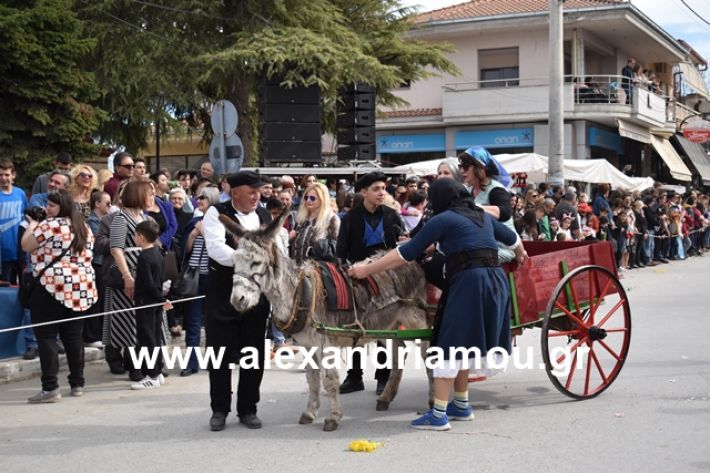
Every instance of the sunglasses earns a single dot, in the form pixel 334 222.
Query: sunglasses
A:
pixel 200 197
pixel 127 166
pixel 84 175
pixel 464 166
pixel 310 198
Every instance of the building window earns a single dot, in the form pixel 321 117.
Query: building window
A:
pixel 498 67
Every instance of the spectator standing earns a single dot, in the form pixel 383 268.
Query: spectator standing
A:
pixel 62 163
pixel 84 182
pixel 628 78
pixel 100 205
pixel 317 227
pixel 123 169
pixel 140 170
pixel 13 203
pixel 61 252
pixel 57 180
pixel 196 257
pixel 206 171
pixel 149 291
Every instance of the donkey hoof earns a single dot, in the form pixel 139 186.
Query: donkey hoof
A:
pixel 330 425
pixel 305 419
pixel 382 406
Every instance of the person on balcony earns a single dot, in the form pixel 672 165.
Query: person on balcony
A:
pixel 629 78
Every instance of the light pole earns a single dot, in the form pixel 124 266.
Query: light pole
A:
pixel 556 99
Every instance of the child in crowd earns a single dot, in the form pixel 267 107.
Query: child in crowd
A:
pixel 565 226
pixel 149 290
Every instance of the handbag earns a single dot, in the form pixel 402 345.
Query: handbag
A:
pixel 28 284
pixel 113 277
pixel 188 281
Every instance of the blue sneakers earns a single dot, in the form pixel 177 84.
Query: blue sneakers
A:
pixel 429 422
pixel 454 413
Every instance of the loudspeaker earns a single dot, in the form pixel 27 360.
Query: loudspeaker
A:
pixel 304 95
pixel 352 102
pixel 355 119
pixel 290 113
pixel 353 136
pixel 360 152
pixel 291 132
pixel 299 151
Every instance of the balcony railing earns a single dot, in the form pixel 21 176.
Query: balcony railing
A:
pixel 529 97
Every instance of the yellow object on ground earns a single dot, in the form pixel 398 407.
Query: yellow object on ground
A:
pixel 362 445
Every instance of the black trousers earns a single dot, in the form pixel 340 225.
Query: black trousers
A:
pixel 93 326
pixel 45 308
pixel 381 374
pixel 233 331
pixel 148 326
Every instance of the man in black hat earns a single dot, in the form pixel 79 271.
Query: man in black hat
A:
pixel 62 163
pixel 224 326
pixel 367 228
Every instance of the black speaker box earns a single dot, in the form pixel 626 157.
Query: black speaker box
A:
pixel 301 95
pixel 284 151
pixel 297 113
pixel 291 132
pixel 349 153
pixel 359 135
pixel 352 102
pixel 359 89
pixel 353 119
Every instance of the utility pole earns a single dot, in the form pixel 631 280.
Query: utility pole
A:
pixel 556 98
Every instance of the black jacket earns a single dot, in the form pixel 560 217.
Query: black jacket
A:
pixel 351 246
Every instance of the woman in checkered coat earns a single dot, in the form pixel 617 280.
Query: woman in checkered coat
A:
pixel 61 250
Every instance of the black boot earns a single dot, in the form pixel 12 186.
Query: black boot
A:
pixel 352 384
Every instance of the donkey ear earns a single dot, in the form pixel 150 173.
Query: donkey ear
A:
pixel 232 227
pixel 272 229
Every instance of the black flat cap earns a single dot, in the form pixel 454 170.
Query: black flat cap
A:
pixel 368 179
pixel 245 178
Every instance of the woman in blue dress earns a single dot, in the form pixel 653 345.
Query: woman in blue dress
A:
pixel 475 307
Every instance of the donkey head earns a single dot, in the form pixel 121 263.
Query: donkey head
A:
pixel 255 261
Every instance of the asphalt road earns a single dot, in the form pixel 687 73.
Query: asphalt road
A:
pixel 655 417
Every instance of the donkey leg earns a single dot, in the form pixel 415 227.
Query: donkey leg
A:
pixel 313 378
pixel 390 392
pixel 429 374
pixel 331 384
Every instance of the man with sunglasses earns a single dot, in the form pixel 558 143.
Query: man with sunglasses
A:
pixel 123 166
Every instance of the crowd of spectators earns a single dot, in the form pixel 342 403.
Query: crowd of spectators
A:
pixel 645 229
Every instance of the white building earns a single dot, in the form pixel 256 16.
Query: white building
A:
pixel 500 100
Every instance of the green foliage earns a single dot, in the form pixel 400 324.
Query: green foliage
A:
pixel 44 95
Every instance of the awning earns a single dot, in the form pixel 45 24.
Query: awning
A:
pixel 633 131
pixel 697 156
pixel 678 169
pixel 692 77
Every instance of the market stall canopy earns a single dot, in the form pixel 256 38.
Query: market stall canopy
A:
pixel 674 162
pixel 534 165
pixel 697 156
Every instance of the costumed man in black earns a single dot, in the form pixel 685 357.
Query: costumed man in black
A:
pixel 366 229
pixel 224 326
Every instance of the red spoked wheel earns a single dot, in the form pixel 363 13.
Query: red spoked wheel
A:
pixel 586 332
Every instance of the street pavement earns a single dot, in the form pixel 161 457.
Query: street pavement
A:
pixel 655 417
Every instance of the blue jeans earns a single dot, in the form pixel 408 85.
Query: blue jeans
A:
pixel 277 336
pixel 192 323
pixel 649 246
pixel 27 333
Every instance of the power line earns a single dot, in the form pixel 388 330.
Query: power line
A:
pixel 695 13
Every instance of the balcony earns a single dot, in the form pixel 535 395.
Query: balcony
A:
pixel 601 99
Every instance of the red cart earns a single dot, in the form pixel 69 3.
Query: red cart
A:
pixel 572 291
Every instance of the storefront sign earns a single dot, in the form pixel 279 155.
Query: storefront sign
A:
pixel 492 139
pixel 697 131
pixel 604 139
pixel 411 143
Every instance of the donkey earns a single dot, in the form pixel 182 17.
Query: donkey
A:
pixel 299 306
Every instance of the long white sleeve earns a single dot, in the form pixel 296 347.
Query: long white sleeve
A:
pixel 215 238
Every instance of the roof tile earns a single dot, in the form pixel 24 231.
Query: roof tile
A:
pixel 486 8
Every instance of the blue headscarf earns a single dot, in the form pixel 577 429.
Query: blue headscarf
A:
pixel 493 168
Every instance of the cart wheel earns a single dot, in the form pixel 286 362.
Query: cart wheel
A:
pixel 586 332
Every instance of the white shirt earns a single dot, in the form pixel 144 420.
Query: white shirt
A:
pixel 215 234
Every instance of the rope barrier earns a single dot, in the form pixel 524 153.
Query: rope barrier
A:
pixel 88 316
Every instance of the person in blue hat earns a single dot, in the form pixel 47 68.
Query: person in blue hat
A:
pixel 489 182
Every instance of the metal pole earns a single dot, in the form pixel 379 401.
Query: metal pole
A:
pixel 556 99
pixel 222 148
pixel 157 146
